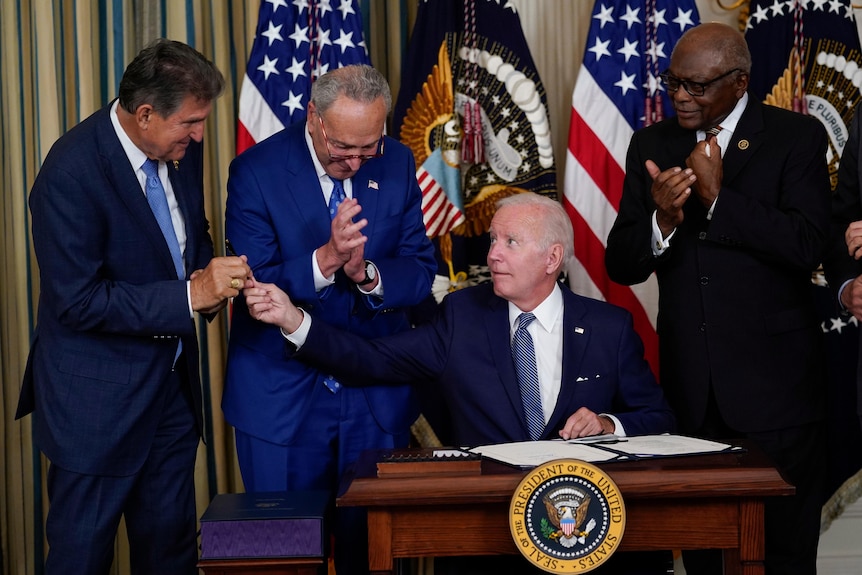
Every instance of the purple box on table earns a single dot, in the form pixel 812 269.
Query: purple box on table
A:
pixel 274 524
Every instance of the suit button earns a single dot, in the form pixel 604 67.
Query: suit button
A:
pixel 703 327
pixel 701 236
pixel 704 280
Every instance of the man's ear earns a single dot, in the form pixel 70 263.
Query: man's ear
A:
pixel 143 115
pixel 555 259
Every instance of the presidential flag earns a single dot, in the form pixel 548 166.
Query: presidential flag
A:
pixel 617 91
pixel 474 111
pixel 296 42
pixel 805 56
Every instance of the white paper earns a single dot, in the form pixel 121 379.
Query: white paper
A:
pixel 599 448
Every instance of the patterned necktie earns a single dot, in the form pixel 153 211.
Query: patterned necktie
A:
pixel 712 133
pixel 524 355
pixel 159 204
pixel 336 198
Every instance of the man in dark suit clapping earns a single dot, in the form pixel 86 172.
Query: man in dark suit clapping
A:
pixel 728 203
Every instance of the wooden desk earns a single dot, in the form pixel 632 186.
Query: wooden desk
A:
pixel 696 502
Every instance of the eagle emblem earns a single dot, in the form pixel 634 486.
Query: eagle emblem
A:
pixel 567 508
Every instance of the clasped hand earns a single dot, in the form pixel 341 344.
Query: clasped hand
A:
pixel 346 245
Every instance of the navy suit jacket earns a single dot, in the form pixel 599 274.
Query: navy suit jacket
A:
pixel 736 308
pixel 277 216
pixel 111 307
pixel 466 351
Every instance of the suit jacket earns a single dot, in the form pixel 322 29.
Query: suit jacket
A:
pixel 840 267
pixel 111 307
pixel 277 216
pixel 466 351
pixel 736 308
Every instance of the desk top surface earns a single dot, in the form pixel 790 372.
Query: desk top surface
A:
pixel 745 474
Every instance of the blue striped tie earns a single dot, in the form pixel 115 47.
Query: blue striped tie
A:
pixel 524 355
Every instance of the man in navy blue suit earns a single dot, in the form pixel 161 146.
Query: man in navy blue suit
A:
pixel 591 370
pixel 291 205
pixel 112 379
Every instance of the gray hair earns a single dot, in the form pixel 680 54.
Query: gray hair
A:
pixel 358 82
pixel 554 222
pixel 164 73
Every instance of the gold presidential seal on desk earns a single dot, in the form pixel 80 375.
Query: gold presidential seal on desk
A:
pixel 567 516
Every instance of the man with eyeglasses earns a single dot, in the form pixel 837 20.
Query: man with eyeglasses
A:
pixel 321 211
pixel 733 225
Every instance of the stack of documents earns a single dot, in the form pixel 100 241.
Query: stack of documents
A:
pixel 598 448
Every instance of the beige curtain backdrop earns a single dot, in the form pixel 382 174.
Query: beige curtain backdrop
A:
pixel 60 60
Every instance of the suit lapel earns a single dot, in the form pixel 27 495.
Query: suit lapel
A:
pixel 303 195
pixel 367 189
pixel 747 138
pixel 576 337
pixel 122 176
pixel 497 330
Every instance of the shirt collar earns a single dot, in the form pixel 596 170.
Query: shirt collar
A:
pixel 728 125
pixel 546 312
pixel 133 153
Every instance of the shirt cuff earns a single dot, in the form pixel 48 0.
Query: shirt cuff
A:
pixel 619 430
pixel 659 244
pixel 298 337
pixel 320 281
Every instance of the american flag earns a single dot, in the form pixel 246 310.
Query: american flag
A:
pixel 296 41
pixel 617 92
pixel 468 72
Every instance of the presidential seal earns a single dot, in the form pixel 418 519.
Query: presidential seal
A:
pixel 567 516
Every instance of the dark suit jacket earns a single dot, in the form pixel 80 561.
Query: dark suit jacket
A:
pixel 840 267
pixel 277 216
pixel 466 351
pixel 736 306
pixel 111 306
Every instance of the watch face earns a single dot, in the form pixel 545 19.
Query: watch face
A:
pixel 370 271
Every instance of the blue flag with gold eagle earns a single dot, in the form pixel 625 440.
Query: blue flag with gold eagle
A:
pixel 806 57
pixel 473 110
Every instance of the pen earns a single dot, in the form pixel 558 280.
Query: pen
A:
pixel 229 248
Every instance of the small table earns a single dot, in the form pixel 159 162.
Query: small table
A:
pixel 693 502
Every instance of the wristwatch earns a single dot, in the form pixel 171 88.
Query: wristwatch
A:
pixel 370 274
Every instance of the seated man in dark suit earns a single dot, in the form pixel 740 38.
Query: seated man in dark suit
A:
pixel 592 377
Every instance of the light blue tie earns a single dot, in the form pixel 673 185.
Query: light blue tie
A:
pixel 336 198
pixel 159 204
pixel 524 354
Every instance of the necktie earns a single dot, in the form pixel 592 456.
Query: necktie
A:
pixel 336 198
pixel 712 133
pixel 524 355
pixel 159 205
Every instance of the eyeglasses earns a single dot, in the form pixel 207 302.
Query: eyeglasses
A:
pixel 345 157
pixel 694 88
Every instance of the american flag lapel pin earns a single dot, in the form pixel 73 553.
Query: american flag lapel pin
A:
pixel 579 330
pixel 372 185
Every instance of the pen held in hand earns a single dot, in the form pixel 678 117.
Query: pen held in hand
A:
pixel 228 247
pixel 708 155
